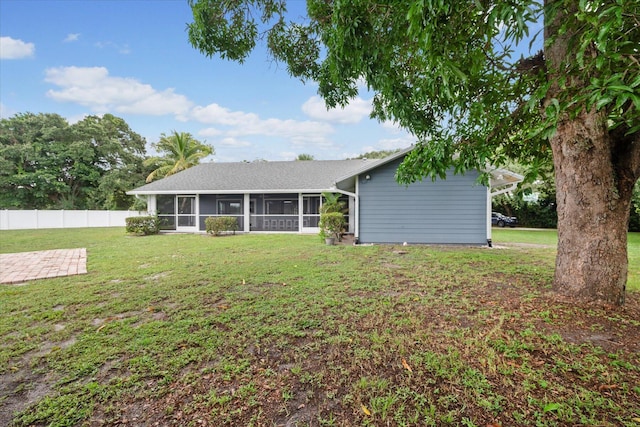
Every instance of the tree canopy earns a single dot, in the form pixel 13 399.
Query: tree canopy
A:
pixel 45 163
pixel 376 154
pixel 459 75
pixel 471 92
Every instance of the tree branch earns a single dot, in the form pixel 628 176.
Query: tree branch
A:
pixel 532 64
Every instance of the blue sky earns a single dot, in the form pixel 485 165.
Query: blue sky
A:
pixel 132 58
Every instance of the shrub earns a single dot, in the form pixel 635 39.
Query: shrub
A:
pixel 142 225
pixel 217 224
pixel 332 225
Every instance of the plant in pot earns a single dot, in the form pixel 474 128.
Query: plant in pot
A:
pixel 332 221
pixel 331 227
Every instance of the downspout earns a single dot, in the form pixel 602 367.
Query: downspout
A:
pixel 356 216
pixel 152 207
pixel 489 210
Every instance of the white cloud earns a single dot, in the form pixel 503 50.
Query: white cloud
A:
pixel 123 49
pixel 392 126
pixel 157 103
pixel 72 37
pixel 210 132
pixel 311 142
pixel 233 143
pixel 15 49
pixel 92 87
pixel 215 114
pixel 283 128
pixel 357 109
pixel 246 124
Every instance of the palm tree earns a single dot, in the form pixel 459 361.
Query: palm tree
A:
pixel 181 151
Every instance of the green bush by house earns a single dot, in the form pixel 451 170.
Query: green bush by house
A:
pixel 142 225
pixel 218 225
pixel 332 225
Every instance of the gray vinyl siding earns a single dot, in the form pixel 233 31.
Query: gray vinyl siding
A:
pixel 451 211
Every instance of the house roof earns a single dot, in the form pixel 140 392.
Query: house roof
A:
pixel 289 176
pixel 365 167
pixel 498 177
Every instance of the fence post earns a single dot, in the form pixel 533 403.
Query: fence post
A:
pixel 4 219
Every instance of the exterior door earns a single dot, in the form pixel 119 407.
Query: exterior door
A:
pixel 311 213
pixel 187 219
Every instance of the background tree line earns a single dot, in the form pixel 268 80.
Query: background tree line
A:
pixel 542 213
pixel 47 163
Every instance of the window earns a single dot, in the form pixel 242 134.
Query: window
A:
pixel 282 207
pixel 166 204
pixel 229 207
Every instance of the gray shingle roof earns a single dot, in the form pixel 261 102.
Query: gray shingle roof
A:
pixel 317 175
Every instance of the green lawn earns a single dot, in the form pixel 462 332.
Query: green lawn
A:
pixel 266 330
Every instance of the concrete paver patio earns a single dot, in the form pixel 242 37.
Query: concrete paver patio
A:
pixel 24 266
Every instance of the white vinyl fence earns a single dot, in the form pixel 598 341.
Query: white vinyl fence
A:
pixel 35 219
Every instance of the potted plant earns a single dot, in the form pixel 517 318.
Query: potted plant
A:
pixel 332 221
pixel 331 226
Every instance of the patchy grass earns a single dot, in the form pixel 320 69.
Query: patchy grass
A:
pixel 270 330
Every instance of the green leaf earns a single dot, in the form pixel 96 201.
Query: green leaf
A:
pixel 602 102
pixel 620 88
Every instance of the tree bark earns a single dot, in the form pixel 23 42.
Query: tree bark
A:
pixel 595 172
pixel 593 212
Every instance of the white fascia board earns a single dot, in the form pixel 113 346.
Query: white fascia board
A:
pixel 296 191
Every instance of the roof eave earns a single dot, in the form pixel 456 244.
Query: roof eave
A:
pixel 245 191
pixel 376 163
pixel 503 177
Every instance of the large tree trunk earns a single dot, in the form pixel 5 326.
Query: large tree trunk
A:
pixel 595 171
pixel 593 212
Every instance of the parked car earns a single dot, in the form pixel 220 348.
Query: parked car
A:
pixel 502 220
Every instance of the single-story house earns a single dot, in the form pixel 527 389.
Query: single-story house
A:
pixel 286 196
